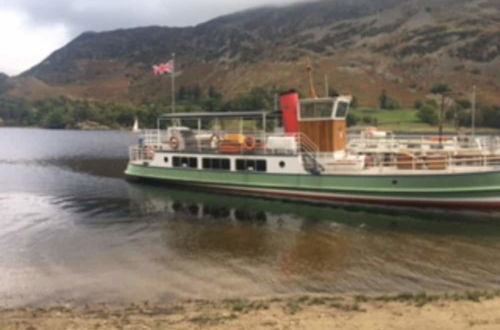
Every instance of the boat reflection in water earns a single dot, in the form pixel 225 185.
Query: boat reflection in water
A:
pixel 251 235
pixel 296 247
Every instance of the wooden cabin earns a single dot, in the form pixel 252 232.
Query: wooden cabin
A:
pixel 323 121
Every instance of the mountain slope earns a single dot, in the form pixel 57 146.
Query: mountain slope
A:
pixel 363 46
pixel 4 83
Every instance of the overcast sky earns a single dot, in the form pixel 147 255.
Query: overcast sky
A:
pixel 31 29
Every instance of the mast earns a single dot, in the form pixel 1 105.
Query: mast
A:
pixel 173 82
pixel 327 86
pixel 312 91
pixel 441 118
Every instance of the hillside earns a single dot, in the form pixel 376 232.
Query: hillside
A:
pixel 4 85
pixel 363 46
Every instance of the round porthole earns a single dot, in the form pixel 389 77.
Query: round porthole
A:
pixel 394 182
pixel 165 159
pixel 282 164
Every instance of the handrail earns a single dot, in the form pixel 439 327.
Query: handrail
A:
pixel 307 143
pixel 309 151
pixel 447 162
pixel 402 141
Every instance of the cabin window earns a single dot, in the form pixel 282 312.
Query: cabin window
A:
pixel 261 166
pixel 193 162
pixel 342 108
pixel 165 159
pixel 177 162
pixel 251 165
pixel 185 162
pixel 437 146
pixel 316 110
pixel 216 163
pixel 240 165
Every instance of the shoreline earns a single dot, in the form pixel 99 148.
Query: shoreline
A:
pixel 474 309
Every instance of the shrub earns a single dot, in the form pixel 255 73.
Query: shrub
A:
pixel 352 119
pixel 428 114
pixel 387 102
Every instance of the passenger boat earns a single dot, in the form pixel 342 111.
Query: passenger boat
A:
pixel 304 152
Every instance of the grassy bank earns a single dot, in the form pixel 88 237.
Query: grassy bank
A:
pixel 407 121
pixel 478 310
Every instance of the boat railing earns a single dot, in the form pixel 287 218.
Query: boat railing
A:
pixel 150 137
pixel 490 143
pixel 227 142
pixel 434 162
pixel 423 143
pixel 141 153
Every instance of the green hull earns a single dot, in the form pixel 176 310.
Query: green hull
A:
pixel 471 190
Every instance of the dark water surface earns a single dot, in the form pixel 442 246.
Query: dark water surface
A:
pixel 72 229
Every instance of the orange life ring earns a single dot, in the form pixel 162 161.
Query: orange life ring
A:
pixel 174 143
pixel 250 143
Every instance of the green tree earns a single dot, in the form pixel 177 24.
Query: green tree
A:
pixel 387 102
pixel 333 92
pixel 54 119
pixel 196 93
pixel 352 119
pixel 354 102
pixel 491 115
pixel 259 98
pixel 181 94
pixel 213 102
pixel 383 99
pixel 213 93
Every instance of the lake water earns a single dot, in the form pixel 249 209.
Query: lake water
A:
pixel 72 229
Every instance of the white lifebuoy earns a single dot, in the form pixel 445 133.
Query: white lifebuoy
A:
pixel 214 141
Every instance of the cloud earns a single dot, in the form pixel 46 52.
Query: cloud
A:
pixel 23 46
pixel 37 27
pixel 98 15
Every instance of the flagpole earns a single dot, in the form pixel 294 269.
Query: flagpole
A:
pixel 173 82
pixel 473 121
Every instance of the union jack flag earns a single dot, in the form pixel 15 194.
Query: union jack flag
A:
pixel 163 68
